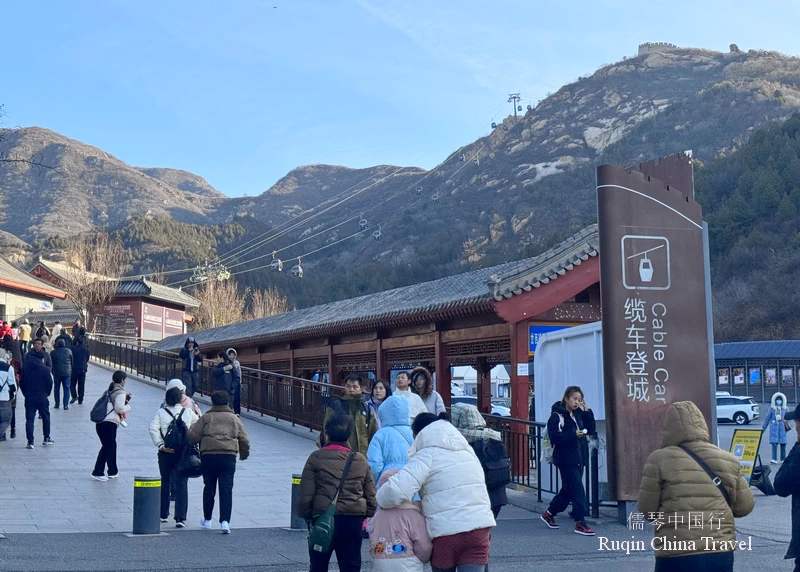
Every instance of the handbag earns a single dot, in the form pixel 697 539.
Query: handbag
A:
pixel 321 535
pixel 714 478
pixel 189 465
pixel 786 425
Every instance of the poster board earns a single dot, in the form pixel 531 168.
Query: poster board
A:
pixel 744 446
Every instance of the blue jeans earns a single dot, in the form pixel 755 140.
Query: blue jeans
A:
pixel 775 451
pixel 62 381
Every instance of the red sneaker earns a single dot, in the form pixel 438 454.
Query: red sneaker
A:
pixel 549 520
pixel 581 528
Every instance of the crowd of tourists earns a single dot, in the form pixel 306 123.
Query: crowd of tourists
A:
pixel 32 364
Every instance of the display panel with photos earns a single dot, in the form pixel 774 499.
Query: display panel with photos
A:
pixel 754 376
pixel 738 376
pixel 787 377
pixel 771 376
pixel 723 376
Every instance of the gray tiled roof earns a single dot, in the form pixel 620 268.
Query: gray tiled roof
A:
pixel 471 291
pixel 25 281
pixel 157 291
pixel 777 349
pixel 534 272
pixel 65 316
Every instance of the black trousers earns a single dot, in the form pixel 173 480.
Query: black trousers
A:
pixel 571 492
pixel 78 385
pixel 107 431
pixel 711 562
pixel 37 404
pixel 346 543
pixel 167 463
pixel 217 468
pixel 237 398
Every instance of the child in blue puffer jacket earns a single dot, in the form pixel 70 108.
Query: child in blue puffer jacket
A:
pixel 389 447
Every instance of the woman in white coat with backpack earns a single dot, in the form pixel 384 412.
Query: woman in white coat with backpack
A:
pixel 443 468
pixel 165 429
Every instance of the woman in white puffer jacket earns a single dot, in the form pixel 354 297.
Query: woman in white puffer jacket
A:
pixel 168 458
pixel 443 468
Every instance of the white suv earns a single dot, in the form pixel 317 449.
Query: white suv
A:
pixel 740 410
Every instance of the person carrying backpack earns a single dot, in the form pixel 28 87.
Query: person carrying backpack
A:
pixel 569 423
pixel 115 402
pixel 169 432
pixel 488 446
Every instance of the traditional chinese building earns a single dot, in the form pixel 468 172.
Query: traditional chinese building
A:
pixel 140 310
pixel 21 293
pixel 480 318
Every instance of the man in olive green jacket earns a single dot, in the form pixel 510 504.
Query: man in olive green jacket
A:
pixel 694 524
pixel 221 436
pixel 352 403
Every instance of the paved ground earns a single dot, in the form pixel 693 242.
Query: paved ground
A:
pixel 49 489
pixel 520 543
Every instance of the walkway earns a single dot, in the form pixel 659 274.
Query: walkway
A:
pixel 49 489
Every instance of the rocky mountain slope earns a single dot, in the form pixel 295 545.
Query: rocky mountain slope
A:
pixel 81 187
pixel 525 184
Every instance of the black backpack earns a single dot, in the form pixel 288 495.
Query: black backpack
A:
pixel 176 437
pixel 100 408
pixel 495 462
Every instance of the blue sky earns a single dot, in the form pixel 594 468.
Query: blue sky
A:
pixel 241 92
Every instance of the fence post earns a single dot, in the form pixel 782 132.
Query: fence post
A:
pixel 595 482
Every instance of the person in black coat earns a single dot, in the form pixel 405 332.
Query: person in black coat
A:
pixel 223 375
pixel 192 360
pixel 64 335
pixel 787 482
pixel 80 363
pixel 36 385
pixel 61 357
pixel 568 426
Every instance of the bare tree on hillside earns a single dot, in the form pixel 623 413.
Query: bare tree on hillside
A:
pixel 95 264
pixel 265 303
pixel 221 303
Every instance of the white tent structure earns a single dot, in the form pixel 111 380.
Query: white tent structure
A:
pixel 466 379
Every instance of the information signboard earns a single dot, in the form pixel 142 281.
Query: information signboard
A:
pixel 744 446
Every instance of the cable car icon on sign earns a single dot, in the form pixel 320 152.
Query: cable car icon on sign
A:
pixel 645 262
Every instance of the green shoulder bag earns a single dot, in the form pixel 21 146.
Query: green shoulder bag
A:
pixel 321 535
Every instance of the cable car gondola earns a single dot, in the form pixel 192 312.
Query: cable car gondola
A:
pixel 476 162
pixel 276 264
pixel 462 157
pixel 419 190
pixel 519 108
pixel 362 223
pixel 435 197
pixel 494 125
pixel 377 234
pixel 297 270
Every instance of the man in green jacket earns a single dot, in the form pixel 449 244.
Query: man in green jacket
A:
pixel 352 403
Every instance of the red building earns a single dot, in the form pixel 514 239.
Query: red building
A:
pixel 140 310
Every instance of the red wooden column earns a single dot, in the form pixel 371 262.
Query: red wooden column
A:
pixel 484 370
pixel 519 383
pixel 442 369
pixel 333 372
pixel 381 369
pixel 520 447
pixel 291 363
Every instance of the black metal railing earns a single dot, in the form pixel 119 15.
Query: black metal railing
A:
pixel 300 401
pixel 303 402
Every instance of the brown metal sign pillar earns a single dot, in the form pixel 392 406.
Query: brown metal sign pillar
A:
pixel 655 338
